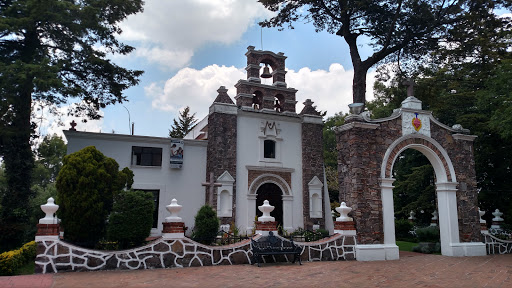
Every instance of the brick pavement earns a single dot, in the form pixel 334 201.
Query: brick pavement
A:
pixel 412 270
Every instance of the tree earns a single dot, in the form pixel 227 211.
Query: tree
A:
pixel 185 124
pixel 52 50
pixel 131 219
pixel 86 185
pixel 49 160
pixel 206 225
pixel 406 29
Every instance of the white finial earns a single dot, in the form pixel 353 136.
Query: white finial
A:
pixel 49 208
pixel 411 215
pixel 174 208
pixel 481 213
pixel 435 215
pixel 343 210
pixel 266 208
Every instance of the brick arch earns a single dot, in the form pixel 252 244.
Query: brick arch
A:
pixel 435 153
pixel 269 178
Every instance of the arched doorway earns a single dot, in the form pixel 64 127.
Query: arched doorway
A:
pixel 274 195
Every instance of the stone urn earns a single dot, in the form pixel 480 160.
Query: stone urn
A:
pixel 49 209
pixel 174 208
pixel 266 208
pixel 343 210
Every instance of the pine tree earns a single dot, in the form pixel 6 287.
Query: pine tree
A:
pixel 185 123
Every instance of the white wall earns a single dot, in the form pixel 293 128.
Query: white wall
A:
pixel 183 184
pixel 249 154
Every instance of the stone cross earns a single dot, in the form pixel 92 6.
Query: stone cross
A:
pixel 73 125
pixel 410 86
pixel 211 186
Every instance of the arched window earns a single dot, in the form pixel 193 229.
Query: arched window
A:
pixel 269 149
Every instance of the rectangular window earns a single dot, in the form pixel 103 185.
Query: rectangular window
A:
pixel 156 201
pixel 146 156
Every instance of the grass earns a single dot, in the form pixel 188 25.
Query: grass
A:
pixel 405 246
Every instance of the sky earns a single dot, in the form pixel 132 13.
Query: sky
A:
pixel 190 48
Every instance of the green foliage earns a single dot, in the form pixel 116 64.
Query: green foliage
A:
pixel 11 261
pixel 402 228
pixel 86 185
pixel 131 219
pixel 396 30
pixel 428 234
pixel 206 225
pixel 405 246
pixel 185 124
pixel 49 160
pixel 49 52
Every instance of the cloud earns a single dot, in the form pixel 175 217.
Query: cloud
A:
pixel 330 90
pixel 178 28
pixel 194 88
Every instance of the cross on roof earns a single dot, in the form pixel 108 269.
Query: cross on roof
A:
pixel 73 125
pixel 211 185
pixel 410 86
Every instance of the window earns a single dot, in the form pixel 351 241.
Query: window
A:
pixel 146 156
pixel 156 201
pixel 269 149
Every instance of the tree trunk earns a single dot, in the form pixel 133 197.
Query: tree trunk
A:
pixel 359 83
pixel 18 157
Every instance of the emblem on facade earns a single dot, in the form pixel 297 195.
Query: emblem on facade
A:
pixel 270 128
pixel 416 122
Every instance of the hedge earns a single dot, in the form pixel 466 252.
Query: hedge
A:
pixel 11 261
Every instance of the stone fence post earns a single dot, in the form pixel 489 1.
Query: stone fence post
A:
pixel 266 223
pixel 174 227
pixel 344 225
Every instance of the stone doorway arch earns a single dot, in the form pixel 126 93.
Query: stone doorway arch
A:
pixel 367 150
pixel 279 184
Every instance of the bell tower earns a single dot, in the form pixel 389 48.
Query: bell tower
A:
pixel 251 93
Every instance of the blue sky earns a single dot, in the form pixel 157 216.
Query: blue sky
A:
pixel 190 48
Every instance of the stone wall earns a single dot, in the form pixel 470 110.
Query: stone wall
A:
pixel 59 256
pixel 221 151
pixel 312 165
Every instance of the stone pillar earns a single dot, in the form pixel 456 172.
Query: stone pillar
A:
pixel 266 223
pixel 48 227
pixel 174 228
pixel 222 145
pixel 344 225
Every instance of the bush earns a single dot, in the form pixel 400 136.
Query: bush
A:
pixel 86 184
pixel 11 261
pixel 402 229
pixel 206 225
pixel 131 219
pixel 428 234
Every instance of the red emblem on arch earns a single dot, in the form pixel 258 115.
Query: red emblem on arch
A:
pixel 416 123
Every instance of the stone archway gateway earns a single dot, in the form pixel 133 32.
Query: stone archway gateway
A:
pixel 367 150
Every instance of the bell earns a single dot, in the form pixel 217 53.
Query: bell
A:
pixel 266 72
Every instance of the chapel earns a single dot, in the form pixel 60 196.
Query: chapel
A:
pixel 250 148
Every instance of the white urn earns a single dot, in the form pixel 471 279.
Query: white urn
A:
pixel 174 208
pixel 481 213
pixel 343 210
pixel 497 216
pixel 49 209
pixel 266 208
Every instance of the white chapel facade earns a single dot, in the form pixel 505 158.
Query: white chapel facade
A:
pixel 252 148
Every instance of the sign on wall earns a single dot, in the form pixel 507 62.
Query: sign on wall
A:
pixel 176 153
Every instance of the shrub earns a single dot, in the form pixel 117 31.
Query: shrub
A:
pixel 206 225
pixel 86 185
pixel 11 261
pixel 131 219
pixel 428 234
pixel 402 229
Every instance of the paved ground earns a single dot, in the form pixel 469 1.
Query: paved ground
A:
pixel 412 270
